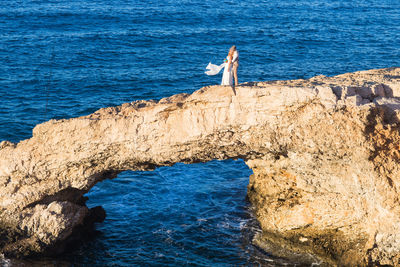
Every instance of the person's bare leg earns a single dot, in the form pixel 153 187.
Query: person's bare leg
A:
pixel 235 67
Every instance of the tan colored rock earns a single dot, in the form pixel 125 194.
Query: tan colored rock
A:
pixel 324 152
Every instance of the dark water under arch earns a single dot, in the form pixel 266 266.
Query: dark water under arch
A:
pixel 179 215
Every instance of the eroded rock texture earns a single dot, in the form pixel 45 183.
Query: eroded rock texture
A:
pixel 324 151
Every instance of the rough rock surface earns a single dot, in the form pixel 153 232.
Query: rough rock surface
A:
pixel 324 152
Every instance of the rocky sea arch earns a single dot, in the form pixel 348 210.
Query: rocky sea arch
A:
pixel 324 153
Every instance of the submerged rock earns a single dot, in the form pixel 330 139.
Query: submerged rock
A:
pixel 324 152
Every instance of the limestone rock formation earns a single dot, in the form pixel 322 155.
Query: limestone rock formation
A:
pixel 324 152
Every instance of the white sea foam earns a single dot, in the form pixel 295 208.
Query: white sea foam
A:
pixel 4 261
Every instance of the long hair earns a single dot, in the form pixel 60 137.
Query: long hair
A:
pixel 231 51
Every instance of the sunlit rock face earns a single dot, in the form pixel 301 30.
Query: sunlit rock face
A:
pixel 324 153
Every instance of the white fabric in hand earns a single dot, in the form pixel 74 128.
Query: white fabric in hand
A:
pixel 214 69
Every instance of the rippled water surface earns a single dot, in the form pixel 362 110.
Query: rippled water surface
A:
pixel 62 59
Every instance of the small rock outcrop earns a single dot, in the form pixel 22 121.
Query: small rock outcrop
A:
pixel 324 152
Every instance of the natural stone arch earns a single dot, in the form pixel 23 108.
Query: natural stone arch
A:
pixel 320 171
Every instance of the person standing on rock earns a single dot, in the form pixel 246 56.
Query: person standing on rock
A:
pixel 235 62
pixel 230 67
pixel 227 76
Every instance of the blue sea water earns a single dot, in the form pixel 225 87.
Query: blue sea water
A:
pixel 62 59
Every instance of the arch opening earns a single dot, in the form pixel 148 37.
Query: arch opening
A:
pixel 183 214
